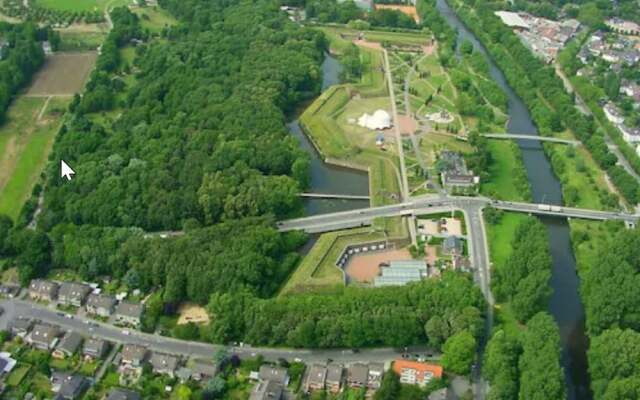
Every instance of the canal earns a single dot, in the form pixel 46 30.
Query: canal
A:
pixel 326 178
pixel 565 304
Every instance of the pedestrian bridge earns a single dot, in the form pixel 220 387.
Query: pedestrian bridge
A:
pixel 515 136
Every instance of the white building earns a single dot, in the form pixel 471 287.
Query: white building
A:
pixel 379 120
pixel 613 114
pixel 630 135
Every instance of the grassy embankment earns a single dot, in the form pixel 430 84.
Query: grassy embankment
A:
pixel 318 271
pixel 154 18
pixel 499 238
pixel 25 143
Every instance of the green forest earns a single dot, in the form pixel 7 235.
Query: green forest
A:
pixel 21 56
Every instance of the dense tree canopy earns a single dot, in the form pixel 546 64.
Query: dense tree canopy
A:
pixel 613 365
pixel 355 317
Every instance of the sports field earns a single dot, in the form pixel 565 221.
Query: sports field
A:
pixel 80 5
pixel 25 142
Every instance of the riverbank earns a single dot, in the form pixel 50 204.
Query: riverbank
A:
pixel 565 304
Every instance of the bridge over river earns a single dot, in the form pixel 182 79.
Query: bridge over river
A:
pixel 421 205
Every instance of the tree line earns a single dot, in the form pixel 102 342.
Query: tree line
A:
pixel 21 56
pixel 526 365
pixel 346 11
pixel 443 312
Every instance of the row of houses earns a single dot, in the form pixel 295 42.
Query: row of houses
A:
pixel 630 135
pixel 333 377
pixel 133 357
pixel 80 294
pixel 48 337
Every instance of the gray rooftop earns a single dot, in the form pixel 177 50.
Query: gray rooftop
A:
pixel 95 346
pixel 162 361
pixel 123 394
pixel 358 372
pixel 334 373
pixel 74 290
pixel 43 333
pixel 129 309
pixel 317 374
pixel 70 342
pixel 134 352
pixel 272 373
pixel 101 300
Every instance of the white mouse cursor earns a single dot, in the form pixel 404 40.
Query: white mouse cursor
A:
pixel 66 171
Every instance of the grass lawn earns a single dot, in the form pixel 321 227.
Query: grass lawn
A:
pixel 499 237
pixel 588 239
pixel 81 5
pixel 25 144
pixel 17 375
pixel 503 176
pixel 155 18
pixel 81 41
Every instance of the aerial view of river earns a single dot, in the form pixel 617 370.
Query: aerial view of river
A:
pixel 326 178
pixel 565 305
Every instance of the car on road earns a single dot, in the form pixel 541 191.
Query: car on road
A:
pixel 126 332
pixel 1 310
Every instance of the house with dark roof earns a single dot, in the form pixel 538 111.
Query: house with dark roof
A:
pixel 9 291
pixel 335 378
pixel 68 345
pixel 73 293
pixel 68 386
pixel 41 289
pixel 164 364
pixel 122 394
pixel 101 304
pixel 43 336
pixel 95 348
pixel 133 355
pixel 273 373
pixel 316 378
pixel 452 245
pixel 21 326
pixel 267 390
pixel 358 375
pixel 203 369
pixel 128 313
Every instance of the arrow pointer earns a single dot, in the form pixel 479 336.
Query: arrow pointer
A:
pixel 66 171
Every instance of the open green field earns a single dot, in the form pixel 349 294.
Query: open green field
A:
pixel 503 172
pixel 80 5
pixel 81 41
pixel 154 18
pixel 25 143
pixel 318 270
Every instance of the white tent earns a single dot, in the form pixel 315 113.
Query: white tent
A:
pixel 379 120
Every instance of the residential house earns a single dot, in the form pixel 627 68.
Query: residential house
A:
pixel 133 355
pixel 128 313
pixel 454 172
pixel 184 374
pixel 376 370
pixel 613 114
pixel 335 378
pixel 358 375
pixel 165 364
pixel 624 27
pixel 203 369
pixel 6 363
pixel 68 386
pixel 273 373
pixel 416 373
pixel 631 89
pixel 43 336
pixel 73 293
pixel 68 345
pixel 101 304
pixel 316 378
pixel 452 245
pixel 122 394
pixel 630 135
pixel 95 348
pixel 21 326
pixel 41 289
pixel 267 390
pixel 9 291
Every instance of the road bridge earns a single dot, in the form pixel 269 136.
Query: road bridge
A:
pixel 515 136
pixel 422 205
pixel 333 196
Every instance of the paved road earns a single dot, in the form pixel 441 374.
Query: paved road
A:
pixel 16 307
pixel 365 216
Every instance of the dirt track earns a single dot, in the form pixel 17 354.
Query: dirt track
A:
pixel 63 74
